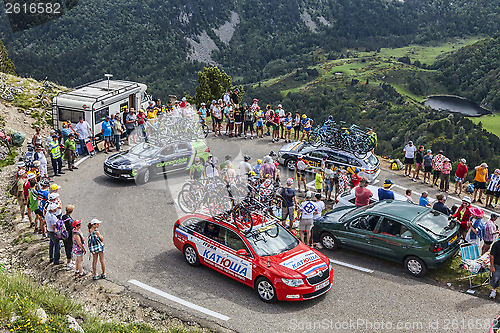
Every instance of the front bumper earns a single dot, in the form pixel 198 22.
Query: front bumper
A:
pixel 118 173
pixel 304 292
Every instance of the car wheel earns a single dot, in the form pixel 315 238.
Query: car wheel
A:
pixel 266 290
pixel 415 266
pixel 191 256
pixel 144 176
pixel 290 164
pixel 329 241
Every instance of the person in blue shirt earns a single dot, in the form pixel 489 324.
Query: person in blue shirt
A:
pixel 106 133
pixel 385 192
pixel 423 201
pixel 476 226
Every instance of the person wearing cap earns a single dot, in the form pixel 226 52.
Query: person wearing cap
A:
pixel 96 247
pixel 301 166
pixel 65 131
pixel 281 114
pixel 427 166
pixel 440 206
pixel 197 170
pixel 306 214
pixel 70 152
pixel 39 156
pixel 54 245
pixel 245 167
pixel 32 201
pixel 78 247
pixel 480 181
pixel 463 215
pixel 55 155
pixel 355 178
pixel 362 194
pixel 275 122
pixel 259 122
pixel 384 193
pixel 118 131
pixel 329 181
pixel 21 166
pixel 49 138
pixel 269 119
pixel 306 124
pixel 296 125
pixel 444 185
pixel 268 167
pixel 68 242
pixel 288 124
pixel 423 200
pixel 476 230
pixel 419 163
pixel 211 167
pixel 235 99
pixel 106 133
pixel 130 126
pixel 176 109
pixel 54 198
pixel 289 203
pixel 141 125
pixel 256 168
pixel 43 198
pixel 217 118
pixel 202 114
pixel 493 188
pixel 437 165
pixel 460 175
pixel 372 136
pixel 409 151
pixel 21 181
pixel 489 234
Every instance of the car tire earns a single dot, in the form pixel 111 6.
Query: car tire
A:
pixel 329 241
pixel 143 176
pixel 415 266
pixel 290 164
pixel 266 290
pixel 191 256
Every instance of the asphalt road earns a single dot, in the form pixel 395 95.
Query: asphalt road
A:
pixel 137 228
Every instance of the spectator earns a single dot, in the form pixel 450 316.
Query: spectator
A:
pixel 495 268
pixel 78 247
pixel 355 178
pixel 37 137
pixel 480 181
pixel 21 181
pixel 287 122
pixel 419 160
pixel 306 124
pixel 343 182
pixel 43 198
pixel 318 181
pixel 362 194
pixel 269 118
pixel 68 242
pixel 320 206
pixel 197 171
pixel 141 125
pixel 39 156
pixel 32 202
pixel 238 120
pixel 55 155
pixel 385 192
pixel 70 152
pixel 118 131
pixel 409 151
pixel 65 131
pixel 463 215
pixel 306 212
pixel 281 115
pixel 106 133
pixel 296 125
pixel 476 226
pixel 329 181
pixel 259 122
pixel 444 185
pixel 54 245
pixel 249 118
pixel 493 187
pixel 268 167
pixel 177 111
pixel 440 206
pixel 300 168
pixel 460 175
pixel 373 137
pixel 226 98
pixel 235 99
pixel 437 166
pixel 427 167
pixel 490 231
pixel 257 168
pixel 408 195
pixel 96 247
pixel 245 167
pixel 276 126
pixel 423 201
pixel 289 203
pixel 130 125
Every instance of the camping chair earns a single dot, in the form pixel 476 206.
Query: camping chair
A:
pixel 474 264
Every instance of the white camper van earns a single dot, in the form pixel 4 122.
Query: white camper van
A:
pixel 96 100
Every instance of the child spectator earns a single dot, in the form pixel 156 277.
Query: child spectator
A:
pixel 96 247
pixel 318 181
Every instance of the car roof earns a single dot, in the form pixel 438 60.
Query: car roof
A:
pixel 307 148
pixel 200 215
pixel 374 190
pixel 401 209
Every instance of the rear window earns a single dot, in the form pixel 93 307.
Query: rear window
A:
pixel 436 225
pixel 371 160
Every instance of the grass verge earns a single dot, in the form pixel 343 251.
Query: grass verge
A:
pixel 491 122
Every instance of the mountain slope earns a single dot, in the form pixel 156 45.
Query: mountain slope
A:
pixel 148 40
pixel 6 65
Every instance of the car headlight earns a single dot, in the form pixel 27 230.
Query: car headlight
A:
pixel 331 266
pixel 124 167
pixel 292 282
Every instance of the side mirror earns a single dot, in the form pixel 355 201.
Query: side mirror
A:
pixel 242 252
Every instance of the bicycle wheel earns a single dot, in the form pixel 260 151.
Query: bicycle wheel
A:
pixel 187 202
pixel 242 219
pixel 46 103
pixel 218 203
pixel 275 207
pixel 7 96
pixel 16 90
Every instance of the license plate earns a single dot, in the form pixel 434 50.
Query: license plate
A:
pixel 109 170
pixel 452 240
pixel 321 285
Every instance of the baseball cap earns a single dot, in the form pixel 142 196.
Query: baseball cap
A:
pixel 75 223
pixel 410 142
pixel 484 165
pixel 203 104
pixel 279 105
pixel 31 175
pixel 54 187
pixel 184 99
pixel 388 183
pixel 317 195
pixel 255 100
pixel 289 181
pixel 300 156
pixel 429 151
pixel 447 159
pixel 95 221
pixel 53 196
pixel 493 215
pixel 308 195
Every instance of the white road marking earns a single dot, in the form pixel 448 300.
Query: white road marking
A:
pixel 359 268
pixel 179 300
pixel 80 161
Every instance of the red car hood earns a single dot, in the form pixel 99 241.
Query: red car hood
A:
pixel 302 259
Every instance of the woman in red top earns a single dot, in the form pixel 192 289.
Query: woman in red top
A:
pixel 362 194
pixel 355 178
pixel 463 215
pixel 460 175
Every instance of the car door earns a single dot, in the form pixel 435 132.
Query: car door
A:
pixel 359 232
pixel 314 159
pixel 237 265
pixel 337 159
pixel 182 156
pixel 161 162
pixel 392 239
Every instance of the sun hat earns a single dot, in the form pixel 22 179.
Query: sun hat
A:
pixel 31 175
pixel 463 160
pixel 95 221
pixel 388 183
pixel 255 100
pixel 484 165
pixel 53 196
pixel 304 116
pixel 75 223
pixel 289 181
pixel 279 105
pixel 475 211
pixel 429 151
pixel 54 187
pixel 308 195
pixel 466 199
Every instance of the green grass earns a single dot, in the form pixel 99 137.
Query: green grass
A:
pixel 491 123
pixel 10 159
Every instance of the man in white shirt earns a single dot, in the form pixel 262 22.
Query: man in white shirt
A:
pixel 83 131
pixel 409 151
pixel 245 166
pixel 320 206
pixel 307 210
pixel 227 98
pixel 281 114
pixel 211 169
pixel 54 245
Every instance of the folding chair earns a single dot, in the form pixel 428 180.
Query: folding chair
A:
pixel 474 264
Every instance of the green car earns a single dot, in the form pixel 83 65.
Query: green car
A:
pixel 416 236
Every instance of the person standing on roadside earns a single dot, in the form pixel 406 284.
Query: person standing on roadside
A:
pixel 320 207
pixel 460 175
pixel 306 212
pixel 427 167
pixel 39 156
pixel 419 163
pixel 480 181
pixel 130 125
pixel 300 168
pixel 444 185
pixel 372 136
pixel 269 119
pixel 437 166
pixel 37 137
pixel 70 152
pixel 296 126
pixel 55 155
pixel 490 232
pixel 409 151
pixel 463 215
pixel 21 181
pixel 54 245
pixel 68 242
pixel 83 132
pixel 289 203
pixel 329 175
pixel 492 188
pixel 235 99
pixel 78 247
pixel 96 247
pixel 362 194
pixel 106 133
pixel 118 130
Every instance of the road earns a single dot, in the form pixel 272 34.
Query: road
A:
pixel 137 227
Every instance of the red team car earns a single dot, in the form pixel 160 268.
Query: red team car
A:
pixel 268 258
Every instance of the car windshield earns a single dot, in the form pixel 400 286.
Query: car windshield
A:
pixel 436 225
pixel 271 240
pixel 144 150
pixel 371 160
pixel 350 213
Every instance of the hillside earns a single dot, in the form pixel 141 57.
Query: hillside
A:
pixel 6 65
pixel 474 72
pixel 164 43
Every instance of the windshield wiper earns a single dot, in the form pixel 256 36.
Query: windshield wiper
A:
pixel 429 230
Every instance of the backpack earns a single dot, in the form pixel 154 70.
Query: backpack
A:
pixel 470 188
pixel 60 230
